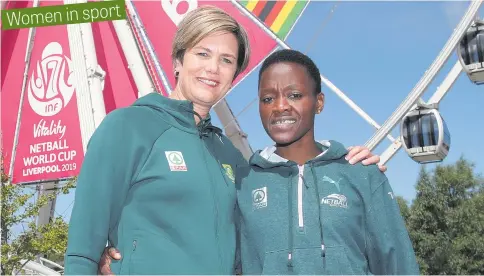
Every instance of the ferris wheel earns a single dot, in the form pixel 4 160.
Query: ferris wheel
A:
pixel 423 131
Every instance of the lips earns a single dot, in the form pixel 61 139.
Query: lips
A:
pixel 283 121
pixel 208 82
pixel 283 124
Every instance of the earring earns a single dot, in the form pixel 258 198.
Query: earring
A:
pixel 176 73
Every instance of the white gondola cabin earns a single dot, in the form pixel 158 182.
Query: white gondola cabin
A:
pixel 425 135
pixel 471 52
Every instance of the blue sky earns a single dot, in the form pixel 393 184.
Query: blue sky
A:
pixel 375 52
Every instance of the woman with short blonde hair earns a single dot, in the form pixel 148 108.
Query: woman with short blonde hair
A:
pixel 157 180
pixel 205 21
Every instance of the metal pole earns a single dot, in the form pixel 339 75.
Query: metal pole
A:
pixel 28 55
pixel 135 60
pixel 232 129
pixel 47 211
pixel 95 73
pixel 146 41
pixel 84 104
pixel 427 78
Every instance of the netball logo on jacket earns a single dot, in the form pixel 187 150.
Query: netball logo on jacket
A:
pixel 259 198
pixel 335 200
pixel 176 161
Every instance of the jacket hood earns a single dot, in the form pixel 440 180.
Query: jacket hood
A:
pixel 177 113
pixel 267 158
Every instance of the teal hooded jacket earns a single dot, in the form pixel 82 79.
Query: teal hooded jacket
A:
pixel 160 189
pixel 324 217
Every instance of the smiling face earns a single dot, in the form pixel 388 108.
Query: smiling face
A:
pixel 208 69
pixel 288 103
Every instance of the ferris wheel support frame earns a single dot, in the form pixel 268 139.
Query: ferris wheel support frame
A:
pixel 136 64
pixel 427 78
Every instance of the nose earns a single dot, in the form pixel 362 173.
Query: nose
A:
pixel 212 65
pixel 282 104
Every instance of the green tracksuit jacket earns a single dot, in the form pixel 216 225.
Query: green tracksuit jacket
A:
pixel 160 189
pixel 325 217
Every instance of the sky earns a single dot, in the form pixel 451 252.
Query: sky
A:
pixel 375 52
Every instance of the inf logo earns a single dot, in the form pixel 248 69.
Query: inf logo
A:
pixel 52 84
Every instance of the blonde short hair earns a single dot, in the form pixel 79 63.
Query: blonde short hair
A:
pixel 202 22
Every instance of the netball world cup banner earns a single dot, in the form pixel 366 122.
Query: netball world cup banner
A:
pixel 49 140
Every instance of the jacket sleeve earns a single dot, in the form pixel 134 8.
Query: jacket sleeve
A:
pixel 107 171
pixel 390 249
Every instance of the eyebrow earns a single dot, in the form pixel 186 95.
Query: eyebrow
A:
pixel 294 86
pixel 208 50
pixel 290 86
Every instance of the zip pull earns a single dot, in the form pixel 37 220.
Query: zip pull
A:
pixel 289 260
pixel 301 175
pixel 134 245
pixel 323 250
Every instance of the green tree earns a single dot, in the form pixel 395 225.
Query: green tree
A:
pixel 404 208
pixel 49 240
pixel 446 220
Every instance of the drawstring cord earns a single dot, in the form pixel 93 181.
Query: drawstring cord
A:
pixel 316 187
pixel 205 127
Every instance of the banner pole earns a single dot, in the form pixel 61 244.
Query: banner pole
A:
pixel 28 55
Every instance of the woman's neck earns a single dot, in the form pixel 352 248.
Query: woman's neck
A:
pixel 200 110
pixel 300 151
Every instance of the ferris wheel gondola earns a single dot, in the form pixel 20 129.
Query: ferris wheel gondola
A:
pixel 470 52
pixel 425 135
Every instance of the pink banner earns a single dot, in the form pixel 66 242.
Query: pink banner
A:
pixel 49 141
pixel 160 19
pixel 12 56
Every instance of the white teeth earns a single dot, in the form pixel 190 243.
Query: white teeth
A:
pixel 208 82
pixel 292 121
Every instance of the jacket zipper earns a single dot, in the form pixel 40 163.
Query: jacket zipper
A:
pixel 300 197
pixel 214 198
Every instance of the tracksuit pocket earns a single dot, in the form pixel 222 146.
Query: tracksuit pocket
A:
pixel 275 262
pixel 126 260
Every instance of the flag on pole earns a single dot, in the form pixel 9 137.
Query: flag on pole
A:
pixel 279 16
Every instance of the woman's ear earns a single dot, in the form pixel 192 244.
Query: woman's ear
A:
pixel 320 102
pixel 177 66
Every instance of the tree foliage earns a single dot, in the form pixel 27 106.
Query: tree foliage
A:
pixel 446 220
pixel 19 208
